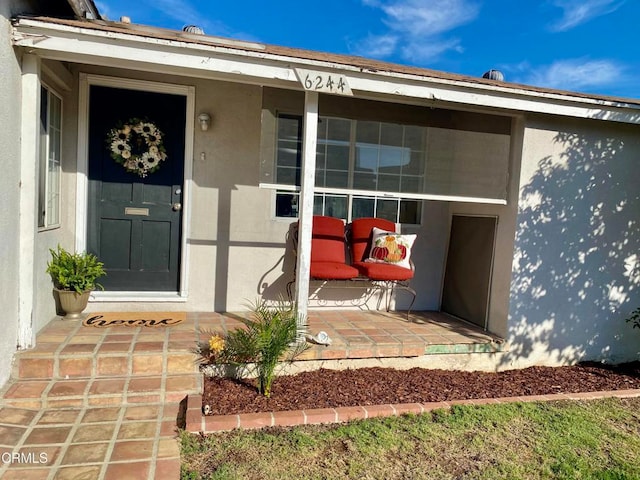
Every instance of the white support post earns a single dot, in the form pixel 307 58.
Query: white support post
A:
pixel 305 207
pixel 29 155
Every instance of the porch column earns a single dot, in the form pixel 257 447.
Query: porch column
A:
pixel 305 206
pixel 29 156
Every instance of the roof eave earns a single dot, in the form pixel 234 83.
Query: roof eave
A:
pixel 93 44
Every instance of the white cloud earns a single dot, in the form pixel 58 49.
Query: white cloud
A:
pixel 416 27
pixel 576 12
pixel 575 74
pixel 417 18
pixel 181 10
pixel 377 46
pixel 422 52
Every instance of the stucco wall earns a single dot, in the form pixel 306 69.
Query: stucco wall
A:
pixel 503 249
pixel 238 250
pixel 9 193
pixel 576 268
pixel 44 303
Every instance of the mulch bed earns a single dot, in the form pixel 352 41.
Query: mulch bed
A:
pixel 380 386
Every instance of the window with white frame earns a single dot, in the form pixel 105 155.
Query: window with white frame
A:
pixel 360 157
pixel 50 157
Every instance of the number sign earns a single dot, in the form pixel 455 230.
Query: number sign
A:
pixel 323 82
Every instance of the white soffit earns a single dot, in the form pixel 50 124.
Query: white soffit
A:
pixel 137 51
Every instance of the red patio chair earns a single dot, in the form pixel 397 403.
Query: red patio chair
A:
pixel 393 276
pixel 328 252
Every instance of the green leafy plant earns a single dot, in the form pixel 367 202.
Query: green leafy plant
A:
pixel 635 318
pixel 269 337
pixel 74 271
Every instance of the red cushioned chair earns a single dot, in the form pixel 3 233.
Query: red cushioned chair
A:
pixel 328 255
pixel 360 243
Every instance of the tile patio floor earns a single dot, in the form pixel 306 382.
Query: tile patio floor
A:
pixel 103 403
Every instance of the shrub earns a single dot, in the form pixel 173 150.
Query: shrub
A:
pixel 74 271
pixel 269 337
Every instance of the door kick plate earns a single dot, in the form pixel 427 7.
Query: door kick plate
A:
pixel 136 211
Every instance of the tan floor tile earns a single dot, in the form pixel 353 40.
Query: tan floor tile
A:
pixel 148 347
pixel 35 368
pixel 132 450
pixel 146 384
pixel 17 416
pixel 86 453
pixel 30 474
pixel 10 436
pixel 78 348
pixel 142 413
pixel 107 386
pixel 169 429
pixel 185 363
pixel 47 435
pixel 75 367
pixel 181 383
pixel 86 339
pixel 129 471
pixel 147 364
pixel 94 433
pixel 123 337
pixel 36 457
pixel 113 365
pixel 168 468
pixel 59 417
pixel 137 430
pixel 96 415
pixel 26 389
pixel 114 348
pixel 67 388
pixel 168 448
pixel 78 473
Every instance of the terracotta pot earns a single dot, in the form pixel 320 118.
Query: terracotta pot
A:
pixel 73 303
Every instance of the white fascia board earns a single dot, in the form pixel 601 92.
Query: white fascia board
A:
pixel 75 44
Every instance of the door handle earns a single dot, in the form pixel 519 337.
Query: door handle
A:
pixel 176 207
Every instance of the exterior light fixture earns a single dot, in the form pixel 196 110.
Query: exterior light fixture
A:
pixel 205 121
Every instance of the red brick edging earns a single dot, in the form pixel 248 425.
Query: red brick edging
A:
pixel 197 422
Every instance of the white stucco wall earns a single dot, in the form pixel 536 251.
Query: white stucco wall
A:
pixel 576 267
pixel 9 193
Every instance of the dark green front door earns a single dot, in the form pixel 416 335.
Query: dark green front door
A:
pixel 134 221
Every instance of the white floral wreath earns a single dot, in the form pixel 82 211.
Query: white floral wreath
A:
pixel 137 146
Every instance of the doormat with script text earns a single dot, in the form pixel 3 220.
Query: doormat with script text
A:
pixel 134 319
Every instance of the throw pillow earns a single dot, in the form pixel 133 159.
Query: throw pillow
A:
pixel 391 247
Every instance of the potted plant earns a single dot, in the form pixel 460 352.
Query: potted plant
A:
pixel 74 278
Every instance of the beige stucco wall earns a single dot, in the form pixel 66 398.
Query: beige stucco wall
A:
pixel 45 239
pixel 238 250
pixel 566 267
pixel 576 267
pixel 9 193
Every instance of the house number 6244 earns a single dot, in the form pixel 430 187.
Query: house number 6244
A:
pixel 323 82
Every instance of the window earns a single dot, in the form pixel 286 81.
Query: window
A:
pixel 358 157
pixel 49 162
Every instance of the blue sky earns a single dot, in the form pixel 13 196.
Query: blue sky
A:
pixel 580 45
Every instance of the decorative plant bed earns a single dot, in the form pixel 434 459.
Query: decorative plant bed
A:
pixel 381 386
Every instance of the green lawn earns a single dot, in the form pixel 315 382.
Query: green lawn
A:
pixel 561 440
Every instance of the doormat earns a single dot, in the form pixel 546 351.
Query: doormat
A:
pixel 134 319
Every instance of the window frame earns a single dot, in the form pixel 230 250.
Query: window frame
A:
pixel 45 203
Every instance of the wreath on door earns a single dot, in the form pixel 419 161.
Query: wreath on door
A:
pixel 137 146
